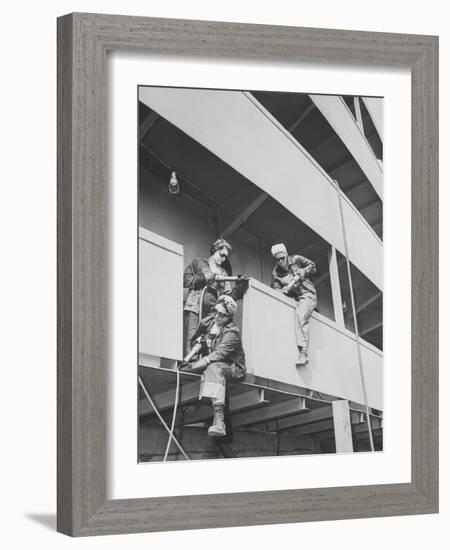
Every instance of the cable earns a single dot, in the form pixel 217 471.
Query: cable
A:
pixel 172 427
pixel 200 309
pixel 355 320
pixel 161 418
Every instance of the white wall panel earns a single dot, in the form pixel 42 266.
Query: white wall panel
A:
pixel 375 107
pixel 236 128
pixel 367 252
pixel 160 296
pixel 268 332
pixel 341 119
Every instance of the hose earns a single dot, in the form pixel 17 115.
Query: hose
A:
pixel 172 427
pixel 200 309
pixel 161 418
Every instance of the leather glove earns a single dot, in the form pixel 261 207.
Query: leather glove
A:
pixel 200 365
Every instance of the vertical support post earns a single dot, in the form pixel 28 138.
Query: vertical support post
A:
pixel 336 288
pixel 342 426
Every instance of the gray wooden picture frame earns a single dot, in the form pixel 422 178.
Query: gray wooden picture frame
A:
pixel 83 41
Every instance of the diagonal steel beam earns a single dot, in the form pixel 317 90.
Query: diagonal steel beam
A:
pixel 369 301
pixel 146 125
pixel 244 215
pixel 371 328
pixel 302 117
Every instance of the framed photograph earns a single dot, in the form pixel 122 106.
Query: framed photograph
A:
pixel 247 274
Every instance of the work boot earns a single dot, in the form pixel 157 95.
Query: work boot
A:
pixel 302 358
pixel 217 429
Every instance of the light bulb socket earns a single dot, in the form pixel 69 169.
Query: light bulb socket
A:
pixel 174 186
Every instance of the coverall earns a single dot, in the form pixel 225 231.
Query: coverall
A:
pixel 225 359
pixel 198 275
pixel 303 292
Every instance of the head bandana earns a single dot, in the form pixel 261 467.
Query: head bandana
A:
pixel 228 304
pixel 278 250
pixel 220 243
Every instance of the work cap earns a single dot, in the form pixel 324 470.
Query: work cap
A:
pixel 278 250
pixel 220 243
pixel 228 303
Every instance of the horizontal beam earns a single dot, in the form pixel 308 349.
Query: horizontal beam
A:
pixel 356 186
pixel 368 205
pixel 359 425
pixel 238 403
pixel 315 415
pixel 165 400
pixel 341 164
pixel 316 427
pixel 376 424
pixel 377 436
pixel 270 412
pixel 333 137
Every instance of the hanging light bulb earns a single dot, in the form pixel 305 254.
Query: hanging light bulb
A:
pixel 174 187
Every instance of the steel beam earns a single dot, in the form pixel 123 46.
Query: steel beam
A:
pixel 302 117
pixel 369 301
pixel 165 400
pixel 305 418
pixel 270 412
pixel 371 328
pixel 240 402
pixel 316 427
pixel 244 215
pixel 341 120
pixel 146 125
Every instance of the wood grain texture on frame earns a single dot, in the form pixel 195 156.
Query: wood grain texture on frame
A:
pixel 83 40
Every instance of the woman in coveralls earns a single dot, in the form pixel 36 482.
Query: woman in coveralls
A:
pixel 292 276
pixel 204 279
pixel 224 358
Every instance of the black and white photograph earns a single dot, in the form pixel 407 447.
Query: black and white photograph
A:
pixel 260 274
